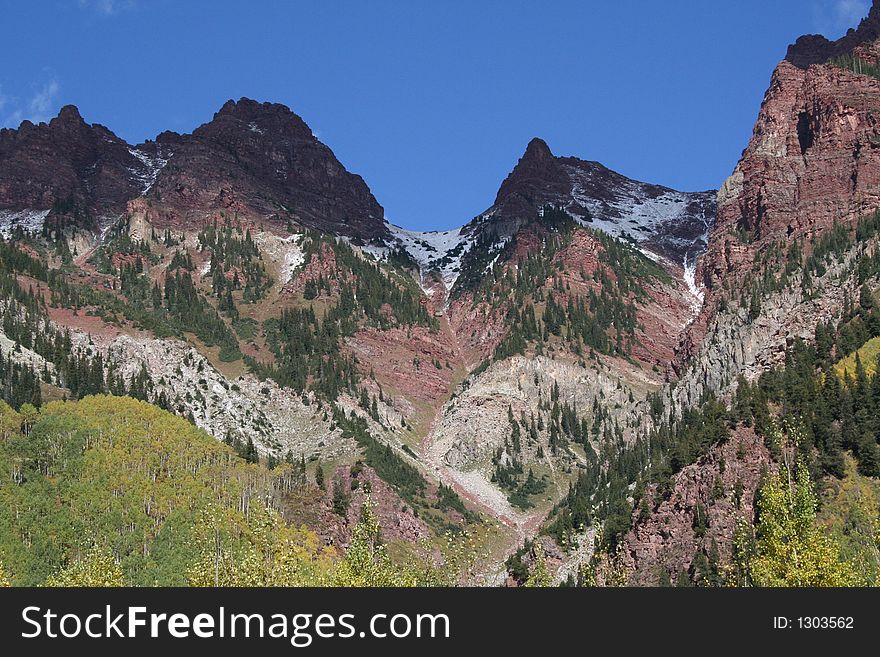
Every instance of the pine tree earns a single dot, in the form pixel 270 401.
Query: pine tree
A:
pixel 319 476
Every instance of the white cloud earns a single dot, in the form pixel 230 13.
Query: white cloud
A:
pixel 106 7
pixel 39 107
pixel 42 104
pixel 834 18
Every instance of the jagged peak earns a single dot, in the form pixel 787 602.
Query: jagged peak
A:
pixel 537 150
pixel 69 114
pixel 537 169
pixel 816 49
pixel 259 116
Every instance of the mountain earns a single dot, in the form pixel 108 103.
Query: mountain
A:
pixel 790 278
pixel 816 49
pixel 256 159
pixel 596 377
pixel 262 159
pixel 67 166
pixel 663 222
pixel 669 224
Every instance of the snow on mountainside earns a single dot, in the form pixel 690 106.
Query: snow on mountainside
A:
pixel 435 251
pixel 152 167
pixel 31 221
pixel 649 215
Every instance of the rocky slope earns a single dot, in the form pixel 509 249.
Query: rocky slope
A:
pixel 811 171
pixel 257 159
pixel 813 162
pixel 69 166
pixel 697 520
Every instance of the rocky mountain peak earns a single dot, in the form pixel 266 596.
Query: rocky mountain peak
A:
pixel 271 119
pixel 263 160
pixel 671 224
pixel 537 151
pixel 68 115
pixel 816 49
pixel 66 160
pixel 537 175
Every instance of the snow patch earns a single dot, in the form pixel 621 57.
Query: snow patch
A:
pixel 690 279
pixel 287 251
pixel 637 211
pixel 294 257
pixel 435 251
pixel 152 167
pixel 31 221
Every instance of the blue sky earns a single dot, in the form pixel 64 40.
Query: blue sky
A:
pixel 431 102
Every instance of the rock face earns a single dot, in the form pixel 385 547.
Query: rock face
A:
pixel 816 49
pixel 257 159
pixel 665 540
pixel 671 224
pixel 67 162
pixel 263 159
pixel 813 161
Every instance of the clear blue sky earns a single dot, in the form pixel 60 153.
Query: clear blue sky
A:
pixel 431 102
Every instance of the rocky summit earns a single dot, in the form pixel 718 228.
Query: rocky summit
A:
pixel 595 381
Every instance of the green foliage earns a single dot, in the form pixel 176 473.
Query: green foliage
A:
pixel 787 546
pixel 857 65
pixel 341 498
pixel 867 354
pixel 135 252
pixel 123 475
pixel 850 512
pixel 448 499
pixel 806 391
pixel 307 348
pixel 379 295
pixel 539 577
pixel 391 468
pixel 236 264
pixel 267 552
pixel 97 568
pixel 191 312
pixel 308 355
pixel 602 320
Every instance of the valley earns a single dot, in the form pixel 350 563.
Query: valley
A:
pixel 594 377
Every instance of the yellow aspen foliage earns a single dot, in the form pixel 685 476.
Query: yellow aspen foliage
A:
pixel 787 547
pixel 366 562
pixel 96 568
pixel 265 553
pixel 10 422
pixel 4 578
pixel 539 577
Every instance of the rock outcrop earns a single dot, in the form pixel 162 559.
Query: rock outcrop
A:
pixel 68 164
pixel 813 161
pixel 667 537
pixel 816 49
pixel 262 159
